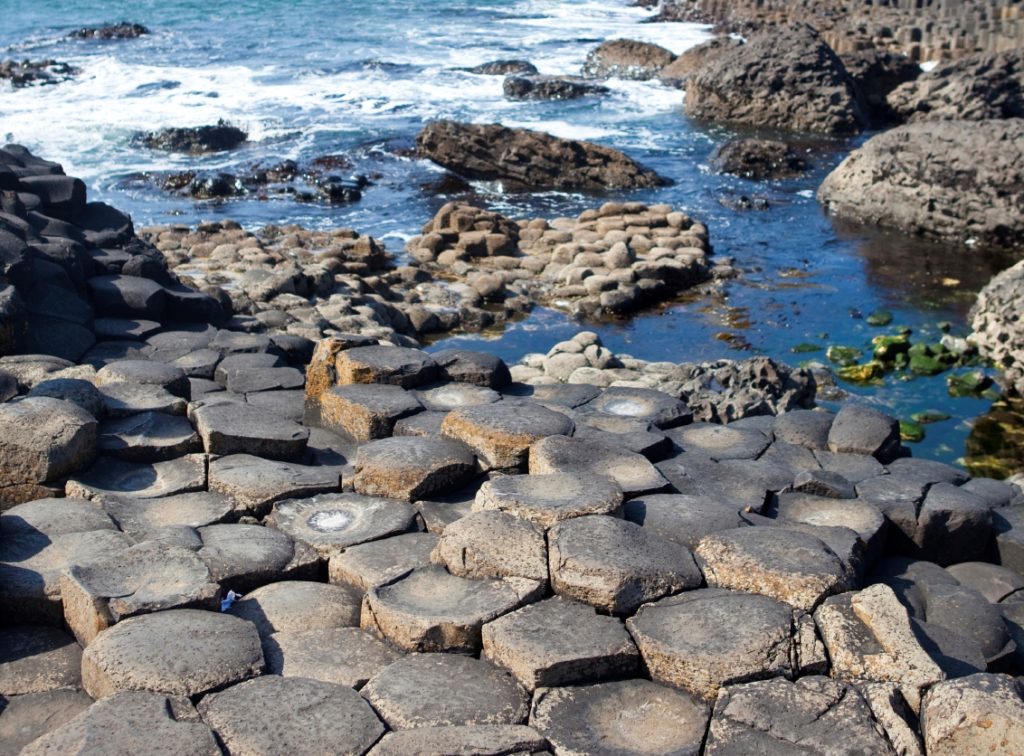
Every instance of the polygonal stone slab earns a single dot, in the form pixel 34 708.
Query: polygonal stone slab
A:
pixel 184 652
pixel 824 483
pixel 141 518
pixel 145 373
pixel 632 472
pixel 792 567
pixel 560 642
pixel 614 718
pixel 493 545
pixel 232 428
pixel 869 636
pixel 254 483
pixel 340 655
pixel 148 437
pixel 112 477
pixel 369 564
pixel 264 379
pixel 813 715
pixel 471 366
pixel 703 640
pixel 302 717
pixel 244 557
pixel 652 406
pixel 993 581
pixel 441 511
pixel 431 610
pixel 397 366
pixel 127 399
pixel 37 659
pixel 953 525
pixel 856 468
pixel 806 428
pixel 443 690
pixel 549 499
pixel 863 518
pixel 720 441
pixel 31 716
pixel 422 424
pixel 453 395
pixel 31 564
pixel 681 518
pixel 859 429
pixel 42 439
pixel 365 412
pixel 411 468
pixel 131 722
pixel 293 605
pixel 332 522
pixel 980 713
pixel 471 740
pixel 146 578
pixel 501 434
pixel 616 565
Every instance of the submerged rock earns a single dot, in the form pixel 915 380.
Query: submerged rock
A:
pixel 28 72
pixel 759 159
pixel 537 87
pixel 218 137
pixel 122 30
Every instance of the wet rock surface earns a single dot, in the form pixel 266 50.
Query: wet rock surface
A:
pixel 529 159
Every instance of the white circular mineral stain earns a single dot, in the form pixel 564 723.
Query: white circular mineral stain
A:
pixel 333 519
pixel 627 407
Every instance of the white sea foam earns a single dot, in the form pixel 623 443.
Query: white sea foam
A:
pixel 88 121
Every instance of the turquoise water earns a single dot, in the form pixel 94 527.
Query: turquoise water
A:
pixel 360 79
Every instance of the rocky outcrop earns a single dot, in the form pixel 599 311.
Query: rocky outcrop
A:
pixel 549 88
pixel 122 30
pixel 997 325
pixel 875 74
pixel 194 140
pixel 759 159
pixel 786 78
pixel 69 266
pixel 938 29
pixel 626 59
pixel 676 73
pixel 953 180
pixel 524 159
pixel 971 89
pixel 606 262
pixel 25 73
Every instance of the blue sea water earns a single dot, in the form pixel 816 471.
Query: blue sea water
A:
pixel 313 77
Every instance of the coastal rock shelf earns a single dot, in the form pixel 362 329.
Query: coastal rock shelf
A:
pixel 233 483
pixel 526 569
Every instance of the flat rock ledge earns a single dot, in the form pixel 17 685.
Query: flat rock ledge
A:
pixel 386 549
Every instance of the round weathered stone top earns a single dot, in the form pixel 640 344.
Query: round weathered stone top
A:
pixel 330 522
pixel 549 499
pixel 644 404
pixel 720 441
pixel 703 639
pixel 432 593
pixel 438 690
pixel 183 652
pixel 501 433
pixel 398 366
pixel 860 516
pixel 145 372
pixel 453 395
pixel 54 517
pixel 298 605
pixel 297 716
pixel 632 716
pixel 632 472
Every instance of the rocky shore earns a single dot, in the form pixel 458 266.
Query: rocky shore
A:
pixel 243 511
pixel 232 483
